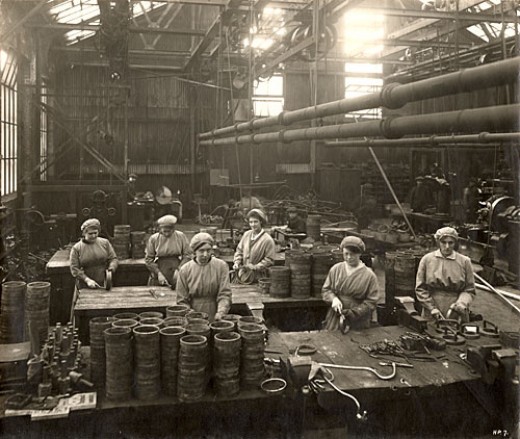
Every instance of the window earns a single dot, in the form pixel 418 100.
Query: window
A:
pixel 8 123
pixel 268 96
pixel 362 79
pixel 362 32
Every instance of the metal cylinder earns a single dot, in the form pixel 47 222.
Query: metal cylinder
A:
pixel 175 321
pixel 151 321
pixel 125 323
pixel 226 363
pixel 300 263
pixel 138 244
pixel 126 315
pixel 321 265
pixel 119 363
pixel 146 314
pixel 280 281
pixel 232 318
pixel 252 355
pixel 177 311
pixel 197 315
pixel 193 364
pixel 97 327
pixel 37 300
pixel 121 241
pixel 12 314
pixel 170 344
pixel 147 362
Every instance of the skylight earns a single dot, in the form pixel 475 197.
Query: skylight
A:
pixel 87 12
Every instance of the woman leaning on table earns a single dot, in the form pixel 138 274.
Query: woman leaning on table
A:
pixel 445 284
pixel 203 283
pixel 91 256
pixel 166 251
pixel 351 289
pixel 255 251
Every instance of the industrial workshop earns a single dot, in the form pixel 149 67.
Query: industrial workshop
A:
pixel 259 219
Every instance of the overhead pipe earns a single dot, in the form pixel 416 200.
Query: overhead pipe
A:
pixel 393 95
pixel 504 117
pixel 475 140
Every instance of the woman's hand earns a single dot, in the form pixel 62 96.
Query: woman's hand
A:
pixel 236 265
pixel 218 316
pixel 91 283
pixel 436 314
pixel 250 267
pixel 337 305
pixel 162 279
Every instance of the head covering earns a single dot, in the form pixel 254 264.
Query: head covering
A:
pixel 91 223
pixel 258 214
pixel 167 220
pixel 200 239
pixel 353 241
pixel 446 231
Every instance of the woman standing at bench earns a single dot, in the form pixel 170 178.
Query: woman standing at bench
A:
pixel 203 283
pixel 90 258
pixel 166 251
pixel 351 289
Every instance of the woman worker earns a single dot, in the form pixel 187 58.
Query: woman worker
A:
pixel 91 256
pixel 351 289
pixel 165 252
pixel 255 251
pixel 445 282
pixel 203 283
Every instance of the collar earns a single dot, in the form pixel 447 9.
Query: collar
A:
pixel 257 236
pixel 438 254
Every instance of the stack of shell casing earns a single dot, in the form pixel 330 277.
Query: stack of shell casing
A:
pixel 147 362
pixel 37 300
pixel 97 327
pixel 138 244
pixel 226 363
pixel 170 345
pixel 12 312
pixel 121 241
pixel 193 366
pixel 252 354
pixel 119 364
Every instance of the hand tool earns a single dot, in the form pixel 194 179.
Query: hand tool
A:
pixel 403 381
pixel 386 363
pixel 369 369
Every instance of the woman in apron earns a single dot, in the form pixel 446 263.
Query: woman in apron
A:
pixel 90 258
pixel 166 251
pixel 255 251
pixel 203 283
pixel 445 283
pixel 351 289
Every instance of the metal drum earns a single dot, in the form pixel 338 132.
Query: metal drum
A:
pixel 170 345
pixel 119 363
pixel 147 362
pixel 280 281
pixel 226 363
pixel 37 300
pixel 193 364
pixel 97 327
pixel 300 264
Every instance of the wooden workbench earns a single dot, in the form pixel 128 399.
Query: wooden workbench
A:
pixel 130 272
pixel 97 303
pixel 433 399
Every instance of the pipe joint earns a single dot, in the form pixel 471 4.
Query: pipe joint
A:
pixel 281 118
pixel 385 127
pixel 483 137
pixel 281 137
pixel 389 101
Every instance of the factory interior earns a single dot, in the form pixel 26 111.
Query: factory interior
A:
pixel 260 219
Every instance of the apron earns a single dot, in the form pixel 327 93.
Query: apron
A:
pixel 168 265
pixel 95 272
pixel 205 304
pixel 443 300
pixel 331 322
pixel 247 277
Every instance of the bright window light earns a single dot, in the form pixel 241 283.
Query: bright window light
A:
pixel 268 96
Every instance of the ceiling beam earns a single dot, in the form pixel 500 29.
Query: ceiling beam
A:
pixel 440 15
pixel 132 29
pixel 209 36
